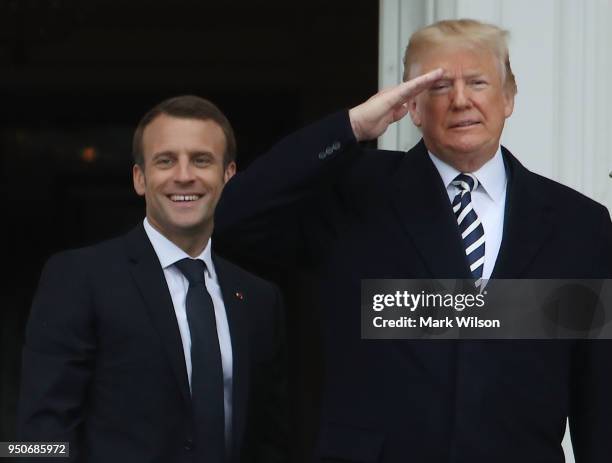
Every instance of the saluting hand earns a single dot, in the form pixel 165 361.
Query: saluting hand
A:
pixel 370 119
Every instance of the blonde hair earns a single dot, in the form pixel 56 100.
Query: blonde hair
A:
pixel 462 32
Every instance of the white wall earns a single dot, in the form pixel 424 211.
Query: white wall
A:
pixel 561 54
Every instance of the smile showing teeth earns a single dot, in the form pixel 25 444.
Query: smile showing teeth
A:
pixel 182 198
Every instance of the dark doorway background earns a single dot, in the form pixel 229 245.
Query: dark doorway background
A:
pixel 75 77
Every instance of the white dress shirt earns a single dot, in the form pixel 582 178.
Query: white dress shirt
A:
pixel 489 201
pixel 168 254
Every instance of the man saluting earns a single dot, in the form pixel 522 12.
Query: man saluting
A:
pixel 457 205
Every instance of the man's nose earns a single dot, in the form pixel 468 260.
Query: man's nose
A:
pixel 460 96
pixel 184 171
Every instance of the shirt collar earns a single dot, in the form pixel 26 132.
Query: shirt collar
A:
pixel 491 176
pixel 169 253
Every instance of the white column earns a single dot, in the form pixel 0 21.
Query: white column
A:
pixel 398 20
pixel 583 69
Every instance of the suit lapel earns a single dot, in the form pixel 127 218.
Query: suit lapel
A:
pixel 527 222
pixel 423 208
pixel 236 304
pixel 151 283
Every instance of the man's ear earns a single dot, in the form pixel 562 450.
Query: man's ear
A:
pixel 414 112
pixel 230 171
pixel 508 103
pixel 139 180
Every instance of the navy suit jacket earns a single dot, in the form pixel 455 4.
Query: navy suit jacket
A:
pixel 317 198
pixel 104 369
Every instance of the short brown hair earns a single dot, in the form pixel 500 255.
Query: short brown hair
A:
pixel 462 32
pixel 186 107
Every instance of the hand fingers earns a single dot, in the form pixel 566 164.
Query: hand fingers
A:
pixel 413 87
pixel 400 112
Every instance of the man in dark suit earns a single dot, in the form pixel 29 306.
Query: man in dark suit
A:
pixel 150 347
pixel 457 205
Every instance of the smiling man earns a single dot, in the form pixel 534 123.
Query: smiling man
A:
pixel 150 347
pixel 186 169
pixel 456 205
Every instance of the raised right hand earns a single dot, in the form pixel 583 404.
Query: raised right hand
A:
pixel 370 119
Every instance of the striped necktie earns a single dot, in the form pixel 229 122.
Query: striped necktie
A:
pixel 470 226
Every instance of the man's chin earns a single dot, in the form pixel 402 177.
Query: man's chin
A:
pixel 192 227
pixel 466 157
pixel 467 148
pixel 183 225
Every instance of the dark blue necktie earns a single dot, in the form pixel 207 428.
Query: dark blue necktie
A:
pixel 206 367
pixel 470 227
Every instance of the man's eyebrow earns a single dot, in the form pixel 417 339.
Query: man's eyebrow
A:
pixel 472 74
pixel 191 153
pixel 467 74
pixel 201 153
pixel 163 153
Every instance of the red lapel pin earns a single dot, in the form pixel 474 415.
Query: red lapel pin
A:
pixel 239 295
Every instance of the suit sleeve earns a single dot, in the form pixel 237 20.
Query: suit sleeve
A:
pixel 285 204
pixel 269 440
pixel 58 357
pixel 591 402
